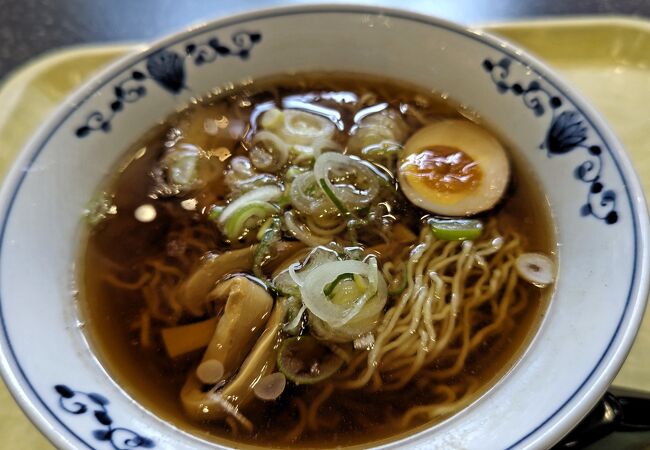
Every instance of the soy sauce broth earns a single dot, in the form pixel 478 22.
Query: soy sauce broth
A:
pixel 121 245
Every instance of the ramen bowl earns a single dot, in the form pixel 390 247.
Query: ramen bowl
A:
pixel 594 197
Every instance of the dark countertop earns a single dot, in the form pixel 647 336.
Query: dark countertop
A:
pixel 31 27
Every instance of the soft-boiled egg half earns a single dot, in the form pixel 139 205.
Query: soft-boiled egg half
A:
pixel 453 168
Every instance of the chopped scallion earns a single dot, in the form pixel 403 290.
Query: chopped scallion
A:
pixel 329 289
pixel 270 235
pixel 330 194
pixel 456 229
pixel 234 226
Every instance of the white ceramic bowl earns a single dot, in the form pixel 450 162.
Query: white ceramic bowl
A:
pixel 594 195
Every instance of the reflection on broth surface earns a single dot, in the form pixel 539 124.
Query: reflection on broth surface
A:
pixel 314 260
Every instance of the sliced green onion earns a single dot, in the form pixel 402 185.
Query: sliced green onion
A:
pixel 353 194
pixel 339 313
pixel 295 312
pixel 284 282
pixel 301 154
pixel 284 201
pixel 361 285
pixel 261 194
pixel 330 287
pixel 301 232
pixel 304 360
pixel 306 196
pixel 302 127
pixel 236 223
pixel 456 229
pixel 270 236
pixel 536 268
pixel 330 194
pixel 293 171
pixel 378 132
pixel 272 119
pixel 264 227
pixel 269 153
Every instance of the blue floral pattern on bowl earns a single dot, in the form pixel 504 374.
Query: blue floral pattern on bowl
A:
pixel 566 133
pixel 167 69
pixel 120 438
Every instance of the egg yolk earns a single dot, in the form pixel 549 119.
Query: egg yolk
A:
pixel 443 169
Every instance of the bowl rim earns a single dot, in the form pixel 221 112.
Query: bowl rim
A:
pixel 558 423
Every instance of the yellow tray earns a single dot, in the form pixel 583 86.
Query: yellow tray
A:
pixel 608 59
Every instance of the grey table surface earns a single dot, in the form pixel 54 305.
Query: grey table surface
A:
pixel 31 27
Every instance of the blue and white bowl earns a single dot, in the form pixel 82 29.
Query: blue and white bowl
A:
pixel 595 198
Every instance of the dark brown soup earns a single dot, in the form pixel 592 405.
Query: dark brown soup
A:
pixel 315 260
